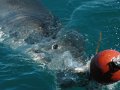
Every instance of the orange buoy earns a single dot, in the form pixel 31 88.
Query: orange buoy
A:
pixel 105 67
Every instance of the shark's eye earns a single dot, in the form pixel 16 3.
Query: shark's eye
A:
pixel 55 46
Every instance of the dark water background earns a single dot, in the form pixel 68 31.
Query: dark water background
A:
pixel 89 17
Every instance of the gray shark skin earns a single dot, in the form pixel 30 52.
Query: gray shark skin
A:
pixel 18 16
pixel 29 21
pixel 28 26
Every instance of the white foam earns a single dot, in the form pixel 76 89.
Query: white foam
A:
pixel 2 35
pixel 82 69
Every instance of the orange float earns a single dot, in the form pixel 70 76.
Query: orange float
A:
pixel 105 67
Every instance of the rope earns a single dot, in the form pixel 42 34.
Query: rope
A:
pixel 99 42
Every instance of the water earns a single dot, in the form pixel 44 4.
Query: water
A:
pixel 89 17
pixel 17 72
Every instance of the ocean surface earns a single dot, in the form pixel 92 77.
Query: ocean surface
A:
pixel 90 18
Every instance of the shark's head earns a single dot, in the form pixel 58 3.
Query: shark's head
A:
pixel 63 51
pixel 44 41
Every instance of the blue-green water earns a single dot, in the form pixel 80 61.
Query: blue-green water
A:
pixel 89 17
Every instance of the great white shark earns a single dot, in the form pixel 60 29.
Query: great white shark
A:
pixel 27 25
